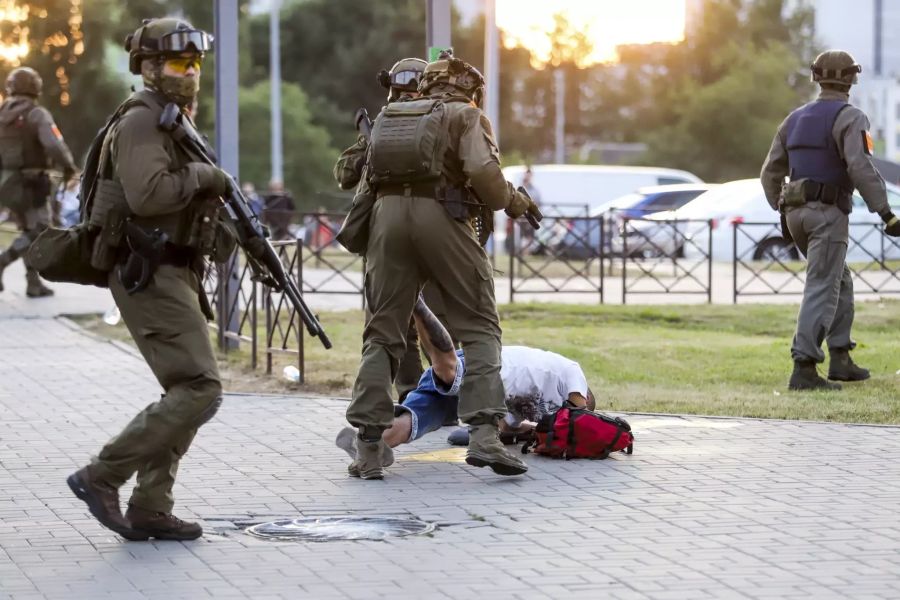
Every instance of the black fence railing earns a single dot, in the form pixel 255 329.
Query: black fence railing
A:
pixel 764 264
pixel 565 254
pixel 665 256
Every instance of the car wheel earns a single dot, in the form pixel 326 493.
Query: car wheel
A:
pixel 775 248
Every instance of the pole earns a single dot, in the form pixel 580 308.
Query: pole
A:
pixel 492 66
pixel 226 35
pixel 275 81
pixel 437 27
pixel 559 77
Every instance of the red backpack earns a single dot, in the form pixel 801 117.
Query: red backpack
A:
pixel 579 433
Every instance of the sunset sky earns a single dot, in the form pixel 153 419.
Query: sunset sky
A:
pixel 608 23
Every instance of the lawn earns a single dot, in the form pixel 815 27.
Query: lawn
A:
pixel 713 360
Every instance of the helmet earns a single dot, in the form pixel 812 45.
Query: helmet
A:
pixel 404 76
pixel 158 37
pixel 835 66
pixel 449 70
pixel 24 81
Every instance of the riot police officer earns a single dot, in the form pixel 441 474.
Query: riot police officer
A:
pixel 29 143
pixel 825 149
pixel 158 209
pixel 425 155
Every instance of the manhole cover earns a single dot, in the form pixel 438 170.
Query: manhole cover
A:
pixel 326 529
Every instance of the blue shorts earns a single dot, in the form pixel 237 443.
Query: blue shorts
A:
pixel 432 403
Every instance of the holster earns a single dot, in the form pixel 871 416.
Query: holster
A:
pixel 109 215
pixel 456 202
pixel 146 252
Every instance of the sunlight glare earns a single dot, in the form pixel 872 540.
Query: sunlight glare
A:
pixel 607 23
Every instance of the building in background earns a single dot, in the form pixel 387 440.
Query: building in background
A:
pixel 870 31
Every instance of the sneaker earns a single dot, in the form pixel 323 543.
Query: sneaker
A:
pixel 346 441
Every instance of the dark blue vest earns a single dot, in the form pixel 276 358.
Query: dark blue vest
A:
pixel 812 153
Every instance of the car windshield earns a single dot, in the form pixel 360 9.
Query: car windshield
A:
pixel 712 201
pixel 626 201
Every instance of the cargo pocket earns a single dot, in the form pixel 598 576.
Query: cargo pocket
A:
pixel 484 282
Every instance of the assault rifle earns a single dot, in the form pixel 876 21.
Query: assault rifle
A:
pixel 252 235
pixel 363 123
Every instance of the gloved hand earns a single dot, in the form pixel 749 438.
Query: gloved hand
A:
pixel 212 179
pixel 891 224
pixel 519 205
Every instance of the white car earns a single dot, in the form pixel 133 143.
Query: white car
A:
pixel 744 202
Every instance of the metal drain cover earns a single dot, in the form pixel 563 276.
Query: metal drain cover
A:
pixel 327 529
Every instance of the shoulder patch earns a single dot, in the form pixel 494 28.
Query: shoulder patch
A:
pixel 868 144
pixel 56 132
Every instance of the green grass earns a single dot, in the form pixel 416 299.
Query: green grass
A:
pixel 714 360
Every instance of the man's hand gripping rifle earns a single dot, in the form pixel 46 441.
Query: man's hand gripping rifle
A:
pixel 252 235
pixel 363 123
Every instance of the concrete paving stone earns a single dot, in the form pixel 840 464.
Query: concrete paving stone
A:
pixel 808 515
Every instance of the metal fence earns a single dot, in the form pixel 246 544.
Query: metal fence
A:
pixel 665 257
pixel 565 254
pixel 765 265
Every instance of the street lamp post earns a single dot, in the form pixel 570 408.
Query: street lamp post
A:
pixel 492 66
pixel 559 77
pixel 437 27
pixel 275 93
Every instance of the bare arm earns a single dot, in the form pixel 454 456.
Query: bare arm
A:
pixel 435 341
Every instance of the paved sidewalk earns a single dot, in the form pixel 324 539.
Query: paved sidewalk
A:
pixel 705 508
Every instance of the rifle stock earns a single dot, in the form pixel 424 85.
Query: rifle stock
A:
pixel 363 123
pixel 252 235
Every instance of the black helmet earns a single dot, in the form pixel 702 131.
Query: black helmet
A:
pixel 158 37
pixel 24 81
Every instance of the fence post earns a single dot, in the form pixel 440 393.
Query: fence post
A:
pixel 296 315
pixel 602 224
pixel 254 323
pixel 734 263
pixel 709 262
pixel 512 261
pixel 624 260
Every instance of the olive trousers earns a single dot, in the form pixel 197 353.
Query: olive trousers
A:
pixel 168 326
pixel 413 241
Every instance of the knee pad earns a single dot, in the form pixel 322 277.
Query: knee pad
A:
pixel 210 411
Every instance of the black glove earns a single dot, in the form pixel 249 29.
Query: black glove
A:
pixel 891 223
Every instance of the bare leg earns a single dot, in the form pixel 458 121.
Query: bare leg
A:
pixel 398 432
pixel 436 342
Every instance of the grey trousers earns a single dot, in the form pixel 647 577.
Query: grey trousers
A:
pixel 826 313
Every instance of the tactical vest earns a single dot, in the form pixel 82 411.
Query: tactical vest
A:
pixel 107 210
pixel 408 142
pixel 812 151
pixel 20 146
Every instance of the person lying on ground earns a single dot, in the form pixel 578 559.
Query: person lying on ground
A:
pixel 536 382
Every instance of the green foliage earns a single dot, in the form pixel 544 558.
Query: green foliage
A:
pixel 308 154
pixel 722 130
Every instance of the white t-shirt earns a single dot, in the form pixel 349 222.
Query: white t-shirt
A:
pixel 537 382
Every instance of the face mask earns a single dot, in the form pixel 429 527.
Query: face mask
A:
pixel 181 90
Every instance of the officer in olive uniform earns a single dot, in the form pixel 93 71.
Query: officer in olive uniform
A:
pixel 171 204
pixel 402 83
pixel 825 149
pixel 29 143
pixel 423 153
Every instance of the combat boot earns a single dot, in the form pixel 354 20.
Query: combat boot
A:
pixel 146 524
pixel 485 450
pixel 346 441
pixel 369 456
pixel 35 287
pixel 102 500
pixel 842 368
pixel 805 377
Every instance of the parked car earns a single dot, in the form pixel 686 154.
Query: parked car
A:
pixel 583 237
pixel 575 190
pixel 717 211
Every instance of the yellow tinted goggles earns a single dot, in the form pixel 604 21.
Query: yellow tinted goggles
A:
pixel 182 64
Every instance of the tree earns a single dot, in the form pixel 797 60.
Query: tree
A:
pixel 308 154
pixel 66 44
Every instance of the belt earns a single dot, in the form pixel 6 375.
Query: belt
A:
pixel 825 193
pixel 421 189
